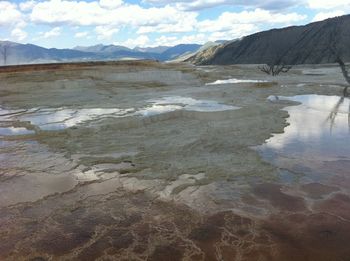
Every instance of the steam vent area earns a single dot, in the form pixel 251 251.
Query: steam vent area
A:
pixel 149 161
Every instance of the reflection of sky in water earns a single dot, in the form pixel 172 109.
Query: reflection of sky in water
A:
pixel 177 102
pixel 61 118
pixel 156 109
pixel 318 130
pixel 50 119
pixel 4 112
pixel 233 81
pixel 8 131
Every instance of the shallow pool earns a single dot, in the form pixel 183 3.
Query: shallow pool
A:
pixel 317 135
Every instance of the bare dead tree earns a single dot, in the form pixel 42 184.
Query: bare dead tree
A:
pixel 4 53
pixel 275 69
pixel 336 52
pixel 334 112
pixel 345 74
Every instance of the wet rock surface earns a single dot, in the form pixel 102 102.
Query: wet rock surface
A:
pixel 98 164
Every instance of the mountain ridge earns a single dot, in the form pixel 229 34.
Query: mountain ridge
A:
pixel 307 44
pixel 12 53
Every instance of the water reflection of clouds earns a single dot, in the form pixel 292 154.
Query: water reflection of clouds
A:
pixel 318 129
pixel 156 109
pixel 233 80
pixel 322 102
pixel 61 118
pixel 8 131
pixel 49 119
pixel 190 104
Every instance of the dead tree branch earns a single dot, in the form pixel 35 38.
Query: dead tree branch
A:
pixel 275 69
pixel 343 68
pixel 345 74
pixel 333 114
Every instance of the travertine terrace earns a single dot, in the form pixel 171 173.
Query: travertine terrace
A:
pixel 150 161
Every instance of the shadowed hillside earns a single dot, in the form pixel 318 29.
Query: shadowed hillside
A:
pixel 309 44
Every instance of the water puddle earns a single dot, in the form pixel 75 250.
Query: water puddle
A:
pixel 55 119
pixel 9 131
pixel 6 113
pixel 52 119
pixel 173 103
pixel 62 118
pixel 156 109
pixel 318 132
pixel 233 80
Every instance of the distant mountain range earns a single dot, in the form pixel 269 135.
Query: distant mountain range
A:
pixel 158 49
pixel 15 53
pixel 100 48
pixel 315 43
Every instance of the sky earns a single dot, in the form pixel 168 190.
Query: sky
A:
pixel 149 23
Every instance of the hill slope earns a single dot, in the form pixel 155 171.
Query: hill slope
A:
pixel 178 50
pixel 187 55
pixel 309 44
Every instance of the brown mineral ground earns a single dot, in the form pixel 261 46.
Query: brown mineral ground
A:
pixel 149 161
pixel 317 190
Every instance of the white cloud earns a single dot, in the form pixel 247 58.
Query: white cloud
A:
pixel 81 34
pixel 105 32
pixel 174 40
pixel 230 25
pixel 234 33
pixel 12 20
pixel 185 23
pixel 110 3
pixel 145 41
pixel 9 15
pixel 92 13
pixel 203 4
pixel 71 12
pixel 190 39
pixel 140 41
pixel 324 15
pixel 165 40
pixel 328 9
pixel 235 24
pixel 54 32
pixel 179 21
pixel 19 34
pixel 329 4
pixel 27 6
pixel 229 20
